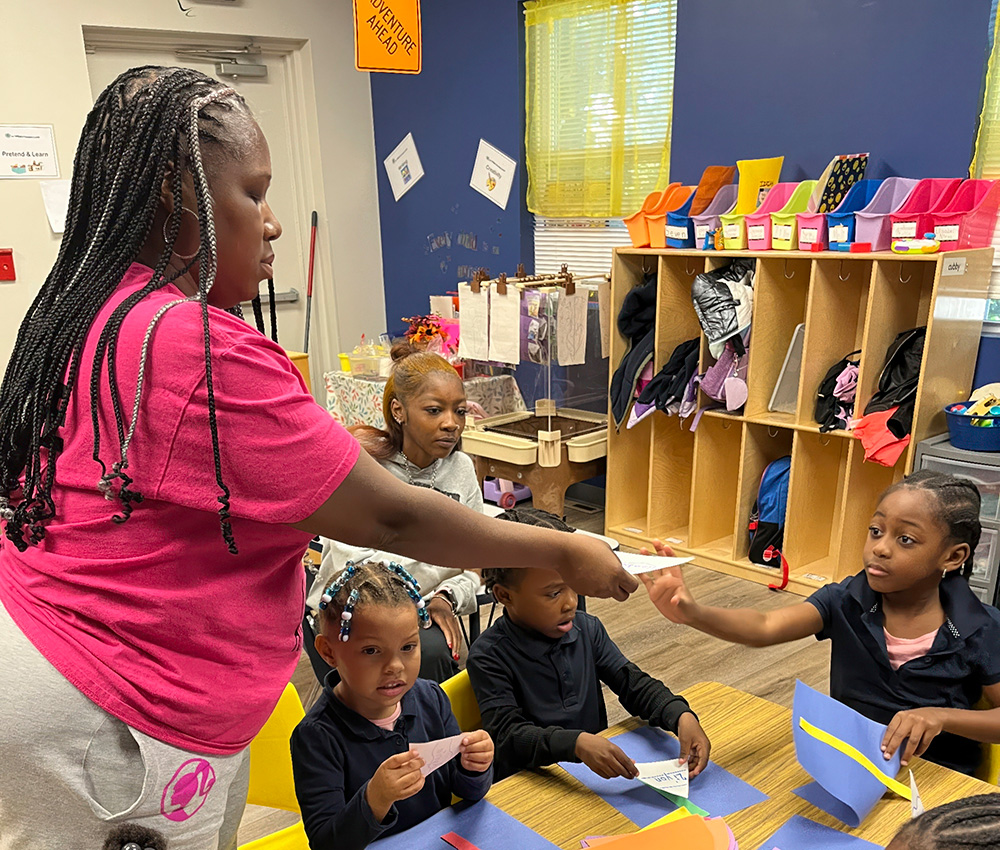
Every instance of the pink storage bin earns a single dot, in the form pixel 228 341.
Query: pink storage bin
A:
pixel 872 223
pixel 912 220
pixel 723 202
pixel 812 228
pixel 758 223
pixel 968 221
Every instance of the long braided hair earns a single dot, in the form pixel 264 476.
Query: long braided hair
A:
pixel 956 506
pixel 150 122
pixel 972 822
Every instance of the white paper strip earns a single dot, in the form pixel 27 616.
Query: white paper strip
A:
pixel 670 776
pixel 636 564
pixel 505 325
pixel 571 328
pixel 473 322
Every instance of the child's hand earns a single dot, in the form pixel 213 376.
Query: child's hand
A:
pixel 667 589
pixel 919 725
pixel 477 751
pixel 695 745
pixel 397 778
pixel 604 758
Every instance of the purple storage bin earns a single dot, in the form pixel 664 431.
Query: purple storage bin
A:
pixel 872 223
pixel 723 202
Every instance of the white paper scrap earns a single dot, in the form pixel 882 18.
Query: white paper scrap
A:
pixel 670 776
pixel 55 196
pixel 473 323
pixel 443 306
pixel 438 753
pixel 916 804
pixel 636 564
pixel 505 325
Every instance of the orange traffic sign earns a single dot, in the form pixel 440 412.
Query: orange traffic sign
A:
pixel 387 36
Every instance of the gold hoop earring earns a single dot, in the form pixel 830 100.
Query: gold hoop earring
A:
pixel 165 237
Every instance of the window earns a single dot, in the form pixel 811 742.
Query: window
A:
pixel 599 90
pixel 986 162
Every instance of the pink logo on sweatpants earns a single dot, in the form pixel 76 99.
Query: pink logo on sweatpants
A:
pixel 188 790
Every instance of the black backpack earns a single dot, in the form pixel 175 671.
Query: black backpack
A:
pixel 897 385
pixel 828 405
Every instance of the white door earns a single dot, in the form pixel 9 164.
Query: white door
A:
pixel 267 100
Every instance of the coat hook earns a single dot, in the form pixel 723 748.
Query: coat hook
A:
pixel 901 275
pixel 772 432
pixel 828 441
pixel 691 272
pixel 785 272
pixel 644 269
pixel 840 274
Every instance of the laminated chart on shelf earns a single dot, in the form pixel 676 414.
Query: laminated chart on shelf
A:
pixel 715 791
pixel 799 833
pixel 480 824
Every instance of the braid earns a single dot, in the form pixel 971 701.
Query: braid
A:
pixel 149 121
pixel 368 583
pixel 258 314
pixel 274 309
pixel 972 822
pixel 957 506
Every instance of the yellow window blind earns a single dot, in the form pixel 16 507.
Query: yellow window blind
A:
pixel 986 161
pixel 599 91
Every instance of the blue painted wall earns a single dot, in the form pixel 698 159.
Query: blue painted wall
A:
pixel 470 88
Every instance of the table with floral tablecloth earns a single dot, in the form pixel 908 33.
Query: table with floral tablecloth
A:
pixel 353 400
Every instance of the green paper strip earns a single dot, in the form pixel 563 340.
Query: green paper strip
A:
pixel 684 803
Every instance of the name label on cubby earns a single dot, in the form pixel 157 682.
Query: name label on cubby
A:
pixel 946 233
pixel 954 266
pixel 783 232
pixel 807 235
pixel 838 233
pixel 904 230
pixel 699 234
pixel 755 231
pixel 731 231
pixel 679 233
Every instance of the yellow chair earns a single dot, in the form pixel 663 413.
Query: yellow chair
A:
pixel 459 691
pixel 271 782
pixel 989 767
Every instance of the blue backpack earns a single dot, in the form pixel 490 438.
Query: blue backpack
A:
pixel 767 518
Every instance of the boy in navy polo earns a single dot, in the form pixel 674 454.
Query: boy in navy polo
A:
pixel 537 676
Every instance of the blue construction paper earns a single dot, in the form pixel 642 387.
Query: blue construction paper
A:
pixel 799 833
pixel 846 789
pixel 482 823
pixel 715 789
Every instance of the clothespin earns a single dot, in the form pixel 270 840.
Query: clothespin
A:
pixel 502 284
pixel 474 283
pixel 520 269
pixel 566 279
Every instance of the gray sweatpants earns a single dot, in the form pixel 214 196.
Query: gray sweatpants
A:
pixel 70 772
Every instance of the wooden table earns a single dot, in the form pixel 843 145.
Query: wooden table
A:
pixel 752 738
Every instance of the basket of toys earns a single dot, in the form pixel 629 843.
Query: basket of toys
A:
pixel 975 425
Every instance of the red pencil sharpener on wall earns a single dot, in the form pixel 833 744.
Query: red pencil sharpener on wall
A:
pixel 7 264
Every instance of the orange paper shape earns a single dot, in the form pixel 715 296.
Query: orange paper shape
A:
pixel 387 36
pixel 689 833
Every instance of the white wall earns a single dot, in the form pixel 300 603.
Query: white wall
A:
pixel 44 80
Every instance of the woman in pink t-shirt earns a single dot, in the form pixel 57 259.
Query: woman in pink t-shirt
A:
pixel 152 588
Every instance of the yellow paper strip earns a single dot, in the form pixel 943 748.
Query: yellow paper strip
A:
pixel 675 815
pixel 852 753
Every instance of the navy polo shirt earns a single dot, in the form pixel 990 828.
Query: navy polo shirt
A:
pixel 964 657
pixel 336 751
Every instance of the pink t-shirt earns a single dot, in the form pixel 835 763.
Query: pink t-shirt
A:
pixel 902 650
pixel 154 620
pixel 389 723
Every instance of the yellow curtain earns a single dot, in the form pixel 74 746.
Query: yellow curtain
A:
pixel 599 92
pixel 986 160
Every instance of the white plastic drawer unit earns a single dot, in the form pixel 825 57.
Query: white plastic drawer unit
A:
pixel 986 478
pixel 984 565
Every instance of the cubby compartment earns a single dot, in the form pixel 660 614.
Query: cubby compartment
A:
pixel 676 320
pixel 814 524
pixel 762 444
pixel 779 304
pixel 865 484
pixel 715 485
pixel 670 477
pixel 835 323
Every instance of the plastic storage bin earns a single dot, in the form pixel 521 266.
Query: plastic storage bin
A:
pixel 784 224
pixel 680 228
pixel 871 224
pixel 912 220
pixel 638 228
pixel 723 202
pixel 657 222
pixel 757 232
pixel 975 433
pixel 822 227
pixel 968 221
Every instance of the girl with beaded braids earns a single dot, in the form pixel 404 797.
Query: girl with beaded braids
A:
pixel 137 415
pixel 357 776
pixel 911 646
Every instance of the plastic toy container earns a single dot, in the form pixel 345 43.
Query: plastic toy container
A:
pixel 816 227
pixel 784 224
pixel 965 433
pixel 723 202
pixel 757 233
pixel 679 230
pixel 638 229
pixel 871 224
pixel 968 221
pixel 657 222
pixel 912 220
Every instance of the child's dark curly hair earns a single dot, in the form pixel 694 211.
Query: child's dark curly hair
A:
pixel 376 584
pixel 131 836
pixel 526 516
pixel 972 822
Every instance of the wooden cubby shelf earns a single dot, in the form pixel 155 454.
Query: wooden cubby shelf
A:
pixel 695 489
